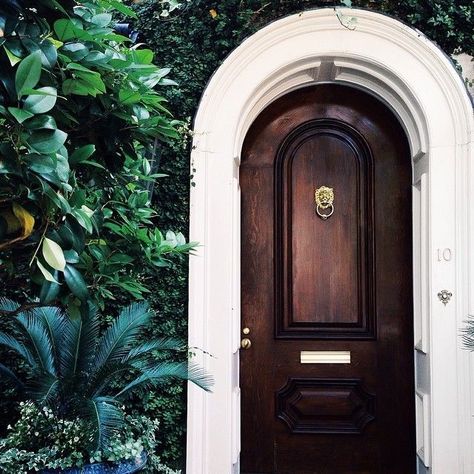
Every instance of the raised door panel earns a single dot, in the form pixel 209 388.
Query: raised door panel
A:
pixel 325 268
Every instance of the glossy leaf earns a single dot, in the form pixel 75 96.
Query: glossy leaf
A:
pixel 82 154
pixel 121 8
pixel 46 141
pixel 11 57
pixel 20 114
pixel 49 290
pixel 102 19
pixel 75 281
pixel 46 273
pixel 41 122
pixel 40 104
pixel 65 30
pixel 83 219
pixel 28 73
pixel 41 163
pixel 53 254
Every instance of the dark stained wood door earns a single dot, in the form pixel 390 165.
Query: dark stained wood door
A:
pixel 312 286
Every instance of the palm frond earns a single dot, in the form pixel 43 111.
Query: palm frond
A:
pixel 44 390
pixel 113 375
pixel 54 321
pixel 80 341
pixel 163 344
pixel 17 346
pixel 7 374
pixel 106 417
pixel 40 341
pixel 120 337
pixel 165 371
pixel 8 306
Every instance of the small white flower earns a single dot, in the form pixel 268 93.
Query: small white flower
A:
pixel 36 433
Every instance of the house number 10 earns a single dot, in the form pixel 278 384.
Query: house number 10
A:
pixel 444 255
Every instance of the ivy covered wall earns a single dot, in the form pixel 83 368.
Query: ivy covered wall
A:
pixel 193 40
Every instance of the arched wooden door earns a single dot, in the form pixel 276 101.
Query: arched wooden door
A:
pixel 327 302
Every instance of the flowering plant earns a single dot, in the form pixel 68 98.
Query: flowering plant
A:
pixel 41 440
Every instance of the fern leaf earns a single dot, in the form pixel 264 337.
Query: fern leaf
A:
pixel 162 372
pixel 20 348
pixel 122 335
pixel 8 306
pixel 163 344
pixel 39 341
pixel 54 322
pixel 106 417
pixel 80 341
pixel 44 390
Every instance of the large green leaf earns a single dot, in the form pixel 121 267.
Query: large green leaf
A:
pixel 49 290
pixel 81 154
pixel 65 30
pixel 121 8
pixel 20 114
pixel 28 73
pixel 50 54
pixel 83 219
pixel 75 282
pixel 162 372
pixel 78 87
pixel 46 141
pixel 39 104
pixel 41 122
pixel 92 79
pixel 75 51
pixel 46 273
pixel 102 19
pixel 41 163
pixel 53 254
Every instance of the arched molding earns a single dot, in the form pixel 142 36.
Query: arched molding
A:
pixel 408 72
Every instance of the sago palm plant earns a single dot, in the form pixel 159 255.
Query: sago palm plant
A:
pixel 80 372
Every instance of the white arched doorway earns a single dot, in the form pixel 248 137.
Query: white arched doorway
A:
pixel 409 73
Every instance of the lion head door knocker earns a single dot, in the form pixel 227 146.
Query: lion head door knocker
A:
pixel 324 199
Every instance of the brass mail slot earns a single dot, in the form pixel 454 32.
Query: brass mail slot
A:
pixel 325 357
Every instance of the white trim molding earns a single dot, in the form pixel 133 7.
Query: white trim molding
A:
pixel 418 82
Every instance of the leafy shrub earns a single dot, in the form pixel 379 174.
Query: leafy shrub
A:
pixel 80 118
pixel 81 127
pixel 39 440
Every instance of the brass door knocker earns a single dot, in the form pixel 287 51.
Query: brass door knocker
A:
pixel 324 199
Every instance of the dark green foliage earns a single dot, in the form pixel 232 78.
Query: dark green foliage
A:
pixel 80 116
pixel 194 43
pixel 78 371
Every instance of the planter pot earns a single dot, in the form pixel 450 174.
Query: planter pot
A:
pixel 128 466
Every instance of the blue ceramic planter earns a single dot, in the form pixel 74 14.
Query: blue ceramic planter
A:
pixel 125 467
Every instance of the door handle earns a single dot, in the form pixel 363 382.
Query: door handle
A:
pixel 245 343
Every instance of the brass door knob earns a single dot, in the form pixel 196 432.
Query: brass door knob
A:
pixel 245 343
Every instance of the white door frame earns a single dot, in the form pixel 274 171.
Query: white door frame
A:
pixel 409 73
